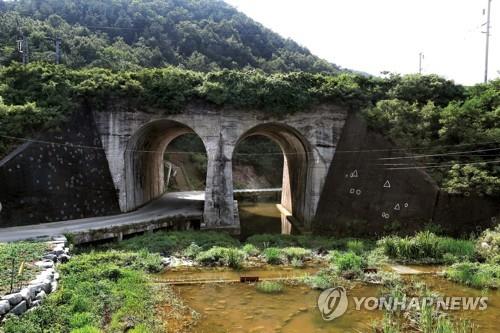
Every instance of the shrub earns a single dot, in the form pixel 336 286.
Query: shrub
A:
pixel 291 253
pixel 221 256
pixel 273 256
pixel 192 250
pixel 488 245
pixel 347 261
pixel 251 250
pixel 269 287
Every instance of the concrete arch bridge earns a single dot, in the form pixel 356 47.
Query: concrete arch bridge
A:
pixel 134 143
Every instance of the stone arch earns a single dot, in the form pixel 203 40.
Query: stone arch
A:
pixel 298 156
pixel 144 174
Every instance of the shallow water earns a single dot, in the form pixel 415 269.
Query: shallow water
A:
pixel 238 307
pixel 196 274
pixel 487 321
pixel 259 218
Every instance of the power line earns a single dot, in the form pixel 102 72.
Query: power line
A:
pixel 437 155
pixel 299 153
pixel 444 165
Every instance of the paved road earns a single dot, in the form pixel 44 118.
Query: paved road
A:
pixel 189 204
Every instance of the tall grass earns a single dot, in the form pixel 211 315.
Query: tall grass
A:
pixel 427 247
pixel 477 275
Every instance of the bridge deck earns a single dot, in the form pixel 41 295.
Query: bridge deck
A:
pixel 166 211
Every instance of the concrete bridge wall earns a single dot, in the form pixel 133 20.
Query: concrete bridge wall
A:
pixel 134 142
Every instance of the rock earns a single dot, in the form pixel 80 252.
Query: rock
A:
pixel 50 256
pixel 28 294
pixel 41 295
pixel 56 276
pixel 60 238
pixel 64 258
pixel 4 307
pixel 20 308
pixel 485 246
pixel 36 303
pixel 13 299
pixel 45 264
pixel 54 286
pixel 58 250
pixel 165 261
pixel 47 286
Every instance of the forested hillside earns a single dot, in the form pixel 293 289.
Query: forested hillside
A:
pixel 201 35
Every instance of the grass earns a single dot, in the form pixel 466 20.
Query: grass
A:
pixel 477 275
pixel 221 256
pixel 312 242
pixel 426 247
pixel 168 243
pixel 17 263
pixel 273 256
pixel 424 319
pixel 251 250
pixel 269 287
pixel 347 261
pixel 324 279
pixel 298 253
pixel 100 291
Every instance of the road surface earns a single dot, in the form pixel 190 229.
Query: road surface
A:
pixel 189 204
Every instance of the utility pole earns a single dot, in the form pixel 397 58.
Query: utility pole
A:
pixel 420 58
pixel 57 46
pixel 488 26
pixel 22 47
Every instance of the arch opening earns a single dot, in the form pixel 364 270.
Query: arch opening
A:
pixel 145 164
pixel 286 155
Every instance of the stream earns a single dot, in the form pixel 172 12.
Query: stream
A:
pixel 238 307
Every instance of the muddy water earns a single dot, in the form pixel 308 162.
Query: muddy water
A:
pixel 259 218
pixel 239 307
pixel 190 275
pixel 487 321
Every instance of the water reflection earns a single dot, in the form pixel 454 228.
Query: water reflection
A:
pixel 262 217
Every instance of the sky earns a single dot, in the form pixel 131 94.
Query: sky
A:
pixel 387 35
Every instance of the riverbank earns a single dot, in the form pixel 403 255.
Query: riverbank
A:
pixel 128 285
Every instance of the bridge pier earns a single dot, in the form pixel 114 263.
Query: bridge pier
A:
pixel 219 208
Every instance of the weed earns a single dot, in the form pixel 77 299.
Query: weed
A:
pixel 269 287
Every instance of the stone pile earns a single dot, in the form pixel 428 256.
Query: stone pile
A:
pixel 45 282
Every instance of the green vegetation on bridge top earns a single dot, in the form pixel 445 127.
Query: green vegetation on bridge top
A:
pixel 427 112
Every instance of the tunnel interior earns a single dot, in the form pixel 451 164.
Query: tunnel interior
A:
pixel 294 154
pixel 145 160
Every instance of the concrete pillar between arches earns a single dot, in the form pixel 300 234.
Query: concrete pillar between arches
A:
pixel 219 212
